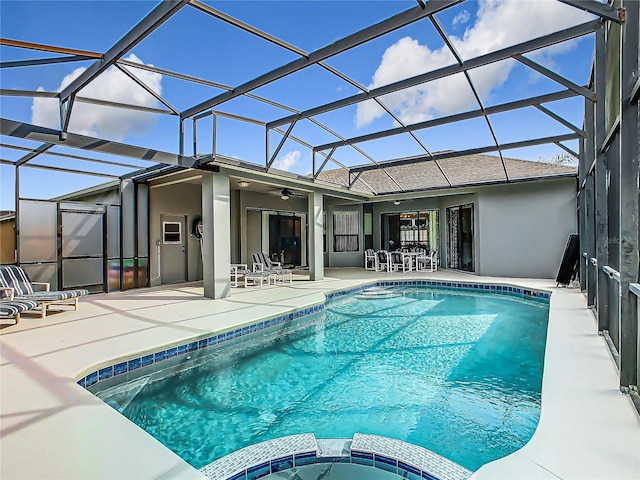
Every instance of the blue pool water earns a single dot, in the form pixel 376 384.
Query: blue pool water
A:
pixel 456 372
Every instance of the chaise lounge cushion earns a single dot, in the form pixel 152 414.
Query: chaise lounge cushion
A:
pixel 11 308
pixel 56 296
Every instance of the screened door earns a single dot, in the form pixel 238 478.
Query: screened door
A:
pixel 460 241
pixel 83 245
pixel 63 244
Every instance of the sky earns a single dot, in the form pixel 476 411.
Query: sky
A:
pixel 196 44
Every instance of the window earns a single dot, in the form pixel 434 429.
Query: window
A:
pixel 171 232
pixel 346 232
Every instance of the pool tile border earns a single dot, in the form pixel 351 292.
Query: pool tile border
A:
pixel 131 364
pixel 388 454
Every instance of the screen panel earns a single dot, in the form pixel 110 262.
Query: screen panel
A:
pixel 37 226
pixel 78 272
pixel 113 232
pixel 43 272
pixel 82 234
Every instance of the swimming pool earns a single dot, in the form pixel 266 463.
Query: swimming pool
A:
pixel 457 372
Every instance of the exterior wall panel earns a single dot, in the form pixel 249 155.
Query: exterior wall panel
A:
pixel 523 228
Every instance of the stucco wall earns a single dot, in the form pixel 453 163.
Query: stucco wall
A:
pixel 344 259
pixel 234 225
pixel 107 197
pixel 523 228
pixel 176 199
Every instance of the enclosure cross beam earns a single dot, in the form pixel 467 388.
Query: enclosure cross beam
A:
pixel 487 59
pixel 461 153
pixel 346 43
pixel 145 27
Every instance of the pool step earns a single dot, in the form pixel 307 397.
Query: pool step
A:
pixel 333 447
pixel 377 292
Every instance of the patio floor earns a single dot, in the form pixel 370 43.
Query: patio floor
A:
pixel 52 428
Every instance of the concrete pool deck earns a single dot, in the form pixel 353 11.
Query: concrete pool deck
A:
pixel 52 428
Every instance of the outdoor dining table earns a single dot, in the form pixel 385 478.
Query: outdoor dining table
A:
pixel 413 256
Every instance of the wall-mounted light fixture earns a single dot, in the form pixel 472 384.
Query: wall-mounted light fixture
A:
pixel 243 183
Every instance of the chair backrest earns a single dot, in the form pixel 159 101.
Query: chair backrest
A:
pixel 261 257
pixel 397 257
pixel 16 278
pixel 383 255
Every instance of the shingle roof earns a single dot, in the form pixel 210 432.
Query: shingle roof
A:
pixel 465 170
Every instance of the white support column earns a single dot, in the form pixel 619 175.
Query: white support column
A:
pixel 316 250
pixel 216 243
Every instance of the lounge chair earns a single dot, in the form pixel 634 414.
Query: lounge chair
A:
pixel 9 307
pixel 400 260
pixel 12 277
pixel 262 263
pixel 369 259
pixel 428 261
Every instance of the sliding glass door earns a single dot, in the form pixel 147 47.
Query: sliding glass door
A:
pixel 410 229
pixel 460 238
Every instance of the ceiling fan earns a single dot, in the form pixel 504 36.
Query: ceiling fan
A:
pixel 286 194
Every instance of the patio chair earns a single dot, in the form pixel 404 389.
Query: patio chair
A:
pixel 400 260
pixel 369 259
pixel 429 261
pixel 262 263
pixel 238 270
pixel 13 277
pixel 9 307
pixel 383 261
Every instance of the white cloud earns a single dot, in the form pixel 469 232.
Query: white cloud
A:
pixel 288 161
pixel 461 18
pixel 500 23
pixel 105 122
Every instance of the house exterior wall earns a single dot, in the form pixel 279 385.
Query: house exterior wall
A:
pixel 234 225
pixel 176 199
pixel 344 259
pixel 522 229
pixel 107 197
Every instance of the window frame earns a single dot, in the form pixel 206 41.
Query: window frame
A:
pixel 354 224
pixel 165 233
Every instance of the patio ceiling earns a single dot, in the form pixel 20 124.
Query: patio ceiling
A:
pixel 278 102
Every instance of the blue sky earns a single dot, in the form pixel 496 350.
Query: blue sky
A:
pixel 196 44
